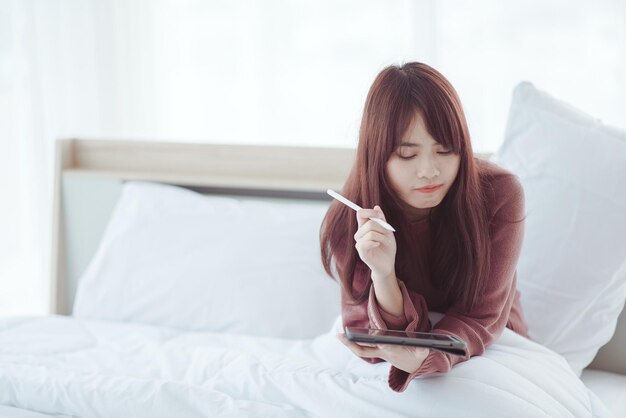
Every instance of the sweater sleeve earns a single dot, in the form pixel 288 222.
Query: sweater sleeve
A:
pixel 414 318
pixel 486 322
pixel 369 314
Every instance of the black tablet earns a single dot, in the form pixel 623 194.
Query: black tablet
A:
pixel 442 342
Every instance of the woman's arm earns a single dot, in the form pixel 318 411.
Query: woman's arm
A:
pixel 390 304
pixel 376 278
pixel 388 295
pixel 413 315
pixel 368 313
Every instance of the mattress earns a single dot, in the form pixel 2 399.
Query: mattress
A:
pixel 62 366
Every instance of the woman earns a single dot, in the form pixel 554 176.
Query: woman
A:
pixel 458 220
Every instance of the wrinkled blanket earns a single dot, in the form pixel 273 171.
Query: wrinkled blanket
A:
pixel 64 366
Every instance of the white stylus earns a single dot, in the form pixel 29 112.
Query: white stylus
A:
pixel 357 207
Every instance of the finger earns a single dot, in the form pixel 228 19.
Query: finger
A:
pixel 355 344
pixel 381 215
pixel 363 215
pixel 366 245
pixel 388 348
pixel 368 224
pixel 375 231
pixel 361 351
pixel 375 236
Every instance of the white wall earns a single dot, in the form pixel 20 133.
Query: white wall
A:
pixel 273 71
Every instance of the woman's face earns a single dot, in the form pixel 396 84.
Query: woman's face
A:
pixel 421 161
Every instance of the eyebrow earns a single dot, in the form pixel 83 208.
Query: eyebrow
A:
pixel 411 144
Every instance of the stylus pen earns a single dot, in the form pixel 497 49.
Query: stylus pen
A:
pixel 357 207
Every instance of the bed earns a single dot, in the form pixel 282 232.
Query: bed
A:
pixel 118 363
pixel 186 281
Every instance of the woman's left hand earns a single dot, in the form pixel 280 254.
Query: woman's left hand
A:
pixel 404 358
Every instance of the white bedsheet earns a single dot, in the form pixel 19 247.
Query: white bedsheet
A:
pixel 61 365
pixel 610 388
pixel 13 412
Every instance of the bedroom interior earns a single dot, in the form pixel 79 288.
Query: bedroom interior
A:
pixel 90 181
pixel 165 166
pixel 90 176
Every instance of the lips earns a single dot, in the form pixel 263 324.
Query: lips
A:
pixel 430 188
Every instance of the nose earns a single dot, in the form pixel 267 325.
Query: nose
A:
pixel 427 169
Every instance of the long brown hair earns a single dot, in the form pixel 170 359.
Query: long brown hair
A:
pixel 461 252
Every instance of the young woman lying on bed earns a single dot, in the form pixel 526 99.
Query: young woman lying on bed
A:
pixel 456 244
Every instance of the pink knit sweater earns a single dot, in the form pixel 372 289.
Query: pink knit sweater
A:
pixel 498 307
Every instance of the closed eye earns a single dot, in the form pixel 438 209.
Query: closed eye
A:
pixel 411 156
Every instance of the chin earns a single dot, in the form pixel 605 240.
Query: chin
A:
pixel 424 205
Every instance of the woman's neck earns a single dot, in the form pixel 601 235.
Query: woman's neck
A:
pixel 418 214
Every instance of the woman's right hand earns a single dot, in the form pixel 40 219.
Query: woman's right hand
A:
pixel 376 245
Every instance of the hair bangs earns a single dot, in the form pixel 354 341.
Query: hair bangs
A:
pixel 443 125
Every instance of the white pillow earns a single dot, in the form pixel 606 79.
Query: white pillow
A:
pixel 573 170
pixel 176 258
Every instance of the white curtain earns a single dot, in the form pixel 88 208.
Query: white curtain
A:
pixel 268 71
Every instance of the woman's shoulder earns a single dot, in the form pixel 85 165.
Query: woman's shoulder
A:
pixel 503 190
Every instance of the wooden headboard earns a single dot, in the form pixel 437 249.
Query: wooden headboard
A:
pixel 89 176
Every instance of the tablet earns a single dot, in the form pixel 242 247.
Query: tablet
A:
pixel 442 342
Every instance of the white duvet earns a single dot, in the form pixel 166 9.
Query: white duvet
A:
pixel 61 366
